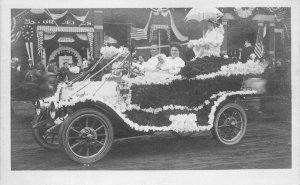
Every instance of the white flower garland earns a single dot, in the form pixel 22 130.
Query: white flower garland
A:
pixel 181 124
pixel 152 78
pixel 173 107
pixel 164 108
pixel 211 116
pixel 179 120
pixel 251 67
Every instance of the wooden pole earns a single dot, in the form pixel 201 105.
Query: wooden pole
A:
pixel 272 40
pixel 98 34
pixel 159 41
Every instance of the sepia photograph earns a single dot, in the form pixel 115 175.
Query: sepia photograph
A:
pixel 150 91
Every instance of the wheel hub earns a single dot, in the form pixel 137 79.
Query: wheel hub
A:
pixel 231 121
pixel 88 132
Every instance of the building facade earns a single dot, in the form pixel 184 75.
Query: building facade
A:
pixel 75 34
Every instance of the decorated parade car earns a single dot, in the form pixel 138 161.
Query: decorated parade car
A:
pixel 117 100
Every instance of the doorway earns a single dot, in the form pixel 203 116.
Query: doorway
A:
pixel 118 31
pixel 239 31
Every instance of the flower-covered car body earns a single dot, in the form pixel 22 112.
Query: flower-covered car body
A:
pixel 90 113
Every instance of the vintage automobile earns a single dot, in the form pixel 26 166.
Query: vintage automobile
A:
pixel 85 115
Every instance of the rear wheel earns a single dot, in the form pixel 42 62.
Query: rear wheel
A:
pixel 230 124
pixel 86 136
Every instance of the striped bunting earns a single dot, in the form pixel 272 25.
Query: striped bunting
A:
pixel 64 29
pixel 138 33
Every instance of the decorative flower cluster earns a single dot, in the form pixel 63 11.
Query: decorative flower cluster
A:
pixel 109 52
pixel 55 97
pixel 195 43
pixel 216 41
pixel 183 122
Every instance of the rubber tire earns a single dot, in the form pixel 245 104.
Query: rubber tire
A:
pixel 241 135
pixel 63 137
pixel 39 139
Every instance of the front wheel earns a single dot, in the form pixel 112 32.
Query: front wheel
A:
pixel 86 136
pixel 46 132
pixel 230 124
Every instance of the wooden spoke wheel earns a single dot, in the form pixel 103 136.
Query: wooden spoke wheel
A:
pixel 230 124
pixel 86 136
pixel 46 133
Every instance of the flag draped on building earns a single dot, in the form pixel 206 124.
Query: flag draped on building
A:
pixel 16 25
pixel 259 47
pixel 138 33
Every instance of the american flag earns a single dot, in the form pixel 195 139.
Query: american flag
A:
pixel 138 33
pixel 259 47
pixel 16 27
pixel 15 33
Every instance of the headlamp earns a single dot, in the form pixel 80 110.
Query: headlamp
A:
pixel 39 105
pixel 52 110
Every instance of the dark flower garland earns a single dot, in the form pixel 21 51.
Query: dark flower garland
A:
pixel 183 92
pixel 204 66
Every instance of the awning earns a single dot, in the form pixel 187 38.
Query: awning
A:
pixel 64 29
pixel 50 32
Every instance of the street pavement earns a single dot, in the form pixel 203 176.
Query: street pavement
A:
pixel 266 145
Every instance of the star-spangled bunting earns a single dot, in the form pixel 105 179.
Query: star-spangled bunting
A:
pixel 27 32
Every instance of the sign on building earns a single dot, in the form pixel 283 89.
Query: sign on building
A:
pixel 63 59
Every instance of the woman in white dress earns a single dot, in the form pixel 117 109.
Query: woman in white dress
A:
pixel 213 39
pixel 210 44
pixel 173 64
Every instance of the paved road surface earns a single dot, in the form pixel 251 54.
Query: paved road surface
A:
pixel 266 145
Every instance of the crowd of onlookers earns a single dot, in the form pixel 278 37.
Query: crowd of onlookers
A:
pixel 69 70
pixel 36 78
